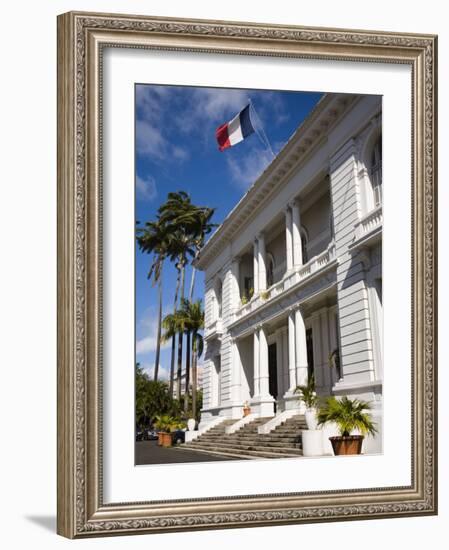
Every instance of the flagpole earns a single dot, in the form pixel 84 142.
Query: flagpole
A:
pixel 260 131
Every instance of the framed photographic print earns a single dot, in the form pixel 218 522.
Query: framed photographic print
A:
pixel 231 198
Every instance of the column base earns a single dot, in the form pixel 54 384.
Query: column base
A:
pixel 262 405
pixel 291 401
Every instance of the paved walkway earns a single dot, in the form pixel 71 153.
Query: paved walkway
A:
pixel 149 452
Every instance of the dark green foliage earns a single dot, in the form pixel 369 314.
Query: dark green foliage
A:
pixel 307 393
pixel 152 399
pixel 348 414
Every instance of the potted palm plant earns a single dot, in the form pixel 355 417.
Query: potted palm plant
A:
pixel 350 415
pixel 166 424
pixel 307 395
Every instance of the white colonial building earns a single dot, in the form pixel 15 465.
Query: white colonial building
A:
pixel 294 273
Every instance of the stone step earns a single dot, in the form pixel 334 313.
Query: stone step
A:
pixel 289 431
pixel 252 442
pixel 242 446
pixel 233 451
pixel 237 435
pixel 261 438
pixel 286 433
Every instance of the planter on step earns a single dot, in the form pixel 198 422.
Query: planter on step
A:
pixel 191 423
pixel 311 418
pixel 347 444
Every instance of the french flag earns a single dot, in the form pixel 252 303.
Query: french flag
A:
pixel 234 131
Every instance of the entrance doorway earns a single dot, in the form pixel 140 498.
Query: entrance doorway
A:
pixel 272 371
pixel 309 345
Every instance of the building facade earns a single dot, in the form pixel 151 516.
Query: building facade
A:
pixel 294 273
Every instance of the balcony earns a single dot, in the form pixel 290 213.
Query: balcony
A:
pixel 292 279
pixel 214 330
pixel 368 230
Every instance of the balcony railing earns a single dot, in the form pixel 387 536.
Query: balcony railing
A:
pixel 214 330
pixel 290 279
pixel 368 225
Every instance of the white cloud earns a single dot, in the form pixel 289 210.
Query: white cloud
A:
pixel 146 188
pixel 164 111
pixel 179 153
pixel 245 170
pixel 216 103
pixel 147 327
pixel 149 140
pixel 163 372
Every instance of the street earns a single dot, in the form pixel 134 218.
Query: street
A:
pixel 149 452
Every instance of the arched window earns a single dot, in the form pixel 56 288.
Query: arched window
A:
pixel 270 269
pixel 304 241
pixel 375 171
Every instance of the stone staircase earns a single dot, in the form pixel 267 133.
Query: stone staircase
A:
pixel 283 442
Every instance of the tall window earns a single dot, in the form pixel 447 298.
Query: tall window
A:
pixel 270 270
pixel 375 172
pixel 304 239
pixel 248 283
pixel 309 349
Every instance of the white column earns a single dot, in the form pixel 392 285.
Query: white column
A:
pixel 262 264
pixel 264 387
pixel 333 342
pixel 301 349
pixel 280 361
pixel 236 372
pixel 285 371
pixel 256 267
pixel 256 358
pixel 317 352
pixel 296 234
pixel 325 347
pixel 291 352
pixel 288 239
pixel 235 271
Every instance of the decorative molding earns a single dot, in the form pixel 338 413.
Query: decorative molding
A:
pixel 81 511
pixel 275 176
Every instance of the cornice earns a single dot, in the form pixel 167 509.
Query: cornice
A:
pixel 305 139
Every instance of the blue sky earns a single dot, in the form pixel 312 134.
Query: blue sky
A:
pixel 176 150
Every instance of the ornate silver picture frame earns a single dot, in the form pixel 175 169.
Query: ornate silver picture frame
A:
pixel 82 41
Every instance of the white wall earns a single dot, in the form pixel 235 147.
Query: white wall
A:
pixel 28 274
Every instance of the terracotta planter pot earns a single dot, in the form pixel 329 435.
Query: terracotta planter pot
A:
pixel 347 445
pixel 165 439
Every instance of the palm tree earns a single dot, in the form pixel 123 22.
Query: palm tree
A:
pixel 170 325
pixel 193 321
pixel 174 213
pixel 201 228
pixel 193 220
pixel 153 239
pixel 173 324
pixel 179 251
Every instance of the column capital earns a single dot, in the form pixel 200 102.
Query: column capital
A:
pixel 260 236
pixel 287 209
pixel 294 203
